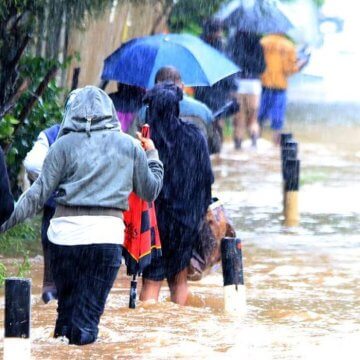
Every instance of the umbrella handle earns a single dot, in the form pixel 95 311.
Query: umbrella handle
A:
pixel 132 299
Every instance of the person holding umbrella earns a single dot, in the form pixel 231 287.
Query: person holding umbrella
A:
pixel 246 51
pixel 6 198
pixel 217 95
pixel 94 166
pixel 186 194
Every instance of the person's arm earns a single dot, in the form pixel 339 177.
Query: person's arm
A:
pixel 148 171
pixel 34 159
pixel 290 62
pixel 32 201
pixel 6 198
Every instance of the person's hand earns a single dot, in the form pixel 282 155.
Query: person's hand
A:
pixel 147 144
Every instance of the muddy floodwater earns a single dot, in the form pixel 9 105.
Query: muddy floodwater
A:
pixel 302 284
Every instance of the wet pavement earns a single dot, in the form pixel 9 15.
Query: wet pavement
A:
pixel 303 286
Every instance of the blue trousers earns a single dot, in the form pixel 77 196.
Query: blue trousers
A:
pixel 273 107
pixel 84 276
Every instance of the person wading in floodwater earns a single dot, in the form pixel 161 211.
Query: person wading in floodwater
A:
pixel 33 163
pixel 185 196
pixel 94 166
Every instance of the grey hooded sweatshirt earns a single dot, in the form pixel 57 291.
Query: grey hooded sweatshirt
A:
pixel 92 163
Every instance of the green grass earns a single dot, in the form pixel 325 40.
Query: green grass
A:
pixel 19 243
pixel 311 177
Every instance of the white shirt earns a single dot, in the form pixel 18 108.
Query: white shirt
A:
pixel 35 157
pixel 86 230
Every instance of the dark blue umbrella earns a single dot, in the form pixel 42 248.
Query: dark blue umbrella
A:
pixel 258 16
pixel 137 61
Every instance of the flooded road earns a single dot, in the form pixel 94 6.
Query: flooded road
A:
pixel 303 284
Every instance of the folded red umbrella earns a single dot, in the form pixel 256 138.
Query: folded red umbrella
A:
pixel 142 239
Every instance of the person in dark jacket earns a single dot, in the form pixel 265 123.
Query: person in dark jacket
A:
pixel 191 110
pixel 219 94
pixel 6 198
pixel 246 51
pixel 186 194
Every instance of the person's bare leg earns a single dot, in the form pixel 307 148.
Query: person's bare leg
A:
pixel 150 290
pixel 276 137
pixel 239 122
pixel 178 285
pixel 252 122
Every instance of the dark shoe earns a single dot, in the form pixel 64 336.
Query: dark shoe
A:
pixel 237 143
pixel 81 337
pixel 49 295
pixel 64 330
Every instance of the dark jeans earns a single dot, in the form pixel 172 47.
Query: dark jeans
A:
pixel 84 276
pixel 48 282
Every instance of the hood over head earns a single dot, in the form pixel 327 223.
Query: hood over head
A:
pixel 88 109
pixel 163 112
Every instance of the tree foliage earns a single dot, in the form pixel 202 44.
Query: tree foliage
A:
pixel 190 14
pixel 30 100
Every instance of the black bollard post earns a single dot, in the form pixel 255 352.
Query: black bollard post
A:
pixel 288 151
pixel 284 137
pixel 17 318
pixel 291 190
pixel 232 265
pixel 132 299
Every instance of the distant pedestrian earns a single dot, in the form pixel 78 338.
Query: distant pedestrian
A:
pixel 281 62
pixel 94 166
pixel 6 198
pixel 185 196
pixel 127 101
pixel 247 53
pixel 33 164
pixel 219 94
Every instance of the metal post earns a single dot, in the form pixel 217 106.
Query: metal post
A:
pixel 232 265
pixel 288 151
pixel 17 319
pixel 291 178
pixel 132 299
pixel 284 137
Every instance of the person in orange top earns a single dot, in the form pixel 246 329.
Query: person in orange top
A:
pixel 281 62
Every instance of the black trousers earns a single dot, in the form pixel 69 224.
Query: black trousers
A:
pixel 84 276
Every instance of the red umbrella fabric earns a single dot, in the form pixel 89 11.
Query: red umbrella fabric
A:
pixel 142 239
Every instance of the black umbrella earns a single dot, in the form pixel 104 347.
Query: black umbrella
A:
pixel 258 16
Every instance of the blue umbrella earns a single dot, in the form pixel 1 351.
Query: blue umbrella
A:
pixel 137 61
pixel 258 16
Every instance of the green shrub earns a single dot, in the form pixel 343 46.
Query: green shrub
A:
pixel 20 243
pixel 46 112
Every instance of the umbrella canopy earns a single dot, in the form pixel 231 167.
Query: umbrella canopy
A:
pixel 258 16
pixel 137 61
